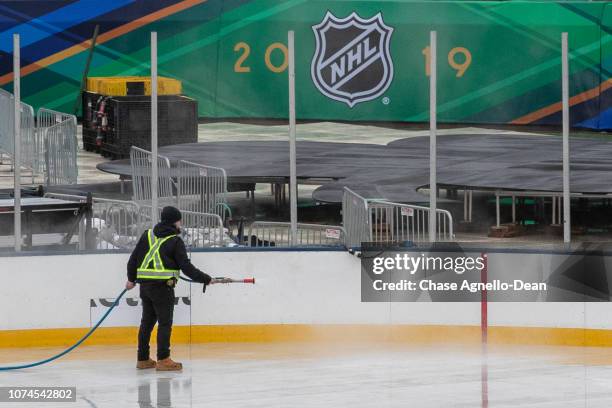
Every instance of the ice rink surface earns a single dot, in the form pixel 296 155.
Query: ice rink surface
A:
pixel 294 375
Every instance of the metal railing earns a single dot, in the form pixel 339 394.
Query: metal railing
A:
pixel 197 190
pixel 117 224
pixel 355 218
pixel 381 221
pixel 29 154
pixel 395 222
pixel 141 162
pixel 6 122
pixel 57 144
pixel 188 186
pixel 48 144
pixel 278 234
pixel 202 189
pixel 202 230
pixel 112 224
pixel 47 117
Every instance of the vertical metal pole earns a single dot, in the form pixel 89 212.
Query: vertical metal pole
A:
pixel 154 164
pixel 497 209
pixel 470 205
pixel 566 170
pixel 465 205
pixel 433 183
pixel 17 142
pixel 292 152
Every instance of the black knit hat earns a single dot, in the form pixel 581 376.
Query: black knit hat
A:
pixel 170 215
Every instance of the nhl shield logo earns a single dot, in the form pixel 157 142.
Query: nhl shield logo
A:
pixel 352 62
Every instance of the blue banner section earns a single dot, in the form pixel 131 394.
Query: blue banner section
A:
pixel 57 21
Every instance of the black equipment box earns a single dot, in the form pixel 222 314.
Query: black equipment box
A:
pixel 113 124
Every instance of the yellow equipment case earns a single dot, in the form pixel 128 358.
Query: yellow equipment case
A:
pixel 132 85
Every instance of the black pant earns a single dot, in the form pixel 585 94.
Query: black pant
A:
pixel 157 306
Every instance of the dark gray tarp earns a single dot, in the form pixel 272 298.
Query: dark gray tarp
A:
pixel 395 171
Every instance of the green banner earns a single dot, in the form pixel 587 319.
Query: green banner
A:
pixel 498 62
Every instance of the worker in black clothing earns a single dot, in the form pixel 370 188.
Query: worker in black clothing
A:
pixel 155 264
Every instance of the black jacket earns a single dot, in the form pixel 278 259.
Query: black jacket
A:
pixel 173 255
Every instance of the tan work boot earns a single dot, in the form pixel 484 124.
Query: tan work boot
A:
pixel 168 365
pixel 142 365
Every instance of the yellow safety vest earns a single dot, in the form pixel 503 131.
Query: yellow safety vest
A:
pixel 152 266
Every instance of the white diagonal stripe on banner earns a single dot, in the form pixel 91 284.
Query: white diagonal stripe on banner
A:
pixel 347 47
pixel 356 71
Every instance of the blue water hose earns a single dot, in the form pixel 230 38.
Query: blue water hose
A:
pixel 75 345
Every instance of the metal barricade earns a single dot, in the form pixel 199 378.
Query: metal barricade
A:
pixel 29 158
pixel 200 230
pixel 6 122
pixel 203 230
pixel 58 146
pixel 278 234
pixel 114 224
pixel 395 222
pixel 47 117
pixel 141 162
pixel 355 218
pixel 117 223
pixel 381 221
pixel 202 189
